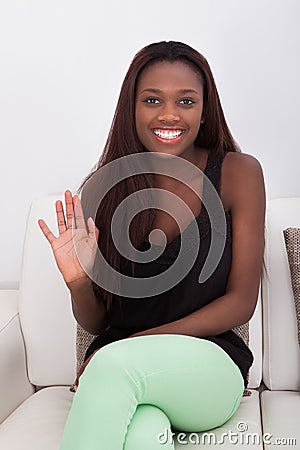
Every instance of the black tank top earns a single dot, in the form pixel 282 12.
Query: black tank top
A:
pixel 131 315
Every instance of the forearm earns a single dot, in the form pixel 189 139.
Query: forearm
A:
pixel 89 312
pixel 215 318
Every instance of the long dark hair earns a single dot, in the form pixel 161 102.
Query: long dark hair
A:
pixel 214 135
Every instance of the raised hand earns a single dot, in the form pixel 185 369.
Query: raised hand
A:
pixel 75 247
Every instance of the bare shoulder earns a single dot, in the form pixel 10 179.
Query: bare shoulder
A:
pixel 241 173
pixel 238 163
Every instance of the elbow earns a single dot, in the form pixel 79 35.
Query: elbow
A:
pixel 247 309
pixel 245 306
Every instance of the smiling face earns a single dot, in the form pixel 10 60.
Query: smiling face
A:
pixel 169 106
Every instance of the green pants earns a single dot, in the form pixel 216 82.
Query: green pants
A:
pixel 134 390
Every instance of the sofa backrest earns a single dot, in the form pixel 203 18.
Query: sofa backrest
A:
pixel 47 322
pixel 46 317
pixel 281 360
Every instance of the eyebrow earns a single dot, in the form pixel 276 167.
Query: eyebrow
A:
pixel 181 91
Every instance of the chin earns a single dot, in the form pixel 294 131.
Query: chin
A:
pixel 165 153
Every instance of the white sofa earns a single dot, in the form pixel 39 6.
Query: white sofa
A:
pixel 38 363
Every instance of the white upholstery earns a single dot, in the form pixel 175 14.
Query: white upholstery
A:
pixel 255 345
pixel 45 308
pixel 39 422
pixel 281 362
pixel 45 413
pixel 14 384
pixel 280 417
pixel 280 406
pixel 48 328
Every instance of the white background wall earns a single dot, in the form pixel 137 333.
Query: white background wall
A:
pixel 62 63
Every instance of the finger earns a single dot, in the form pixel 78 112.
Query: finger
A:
pixel 69 209
pixel 47 233
pixel 61 221
pixel 79 217
pixel 93 230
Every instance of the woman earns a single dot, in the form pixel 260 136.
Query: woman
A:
pixel 168 358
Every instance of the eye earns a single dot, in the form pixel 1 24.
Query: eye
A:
pixel 187 101
pixel 151 100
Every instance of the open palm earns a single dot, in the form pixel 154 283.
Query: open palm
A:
pixel 75 247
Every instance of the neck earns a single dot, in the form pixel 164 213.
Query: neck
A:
pixel 182 172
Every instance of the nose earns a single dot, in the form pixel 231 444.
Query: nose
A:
pixel 169 115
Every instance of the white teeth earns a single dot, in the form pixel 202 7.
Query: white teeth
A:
pixel 164 134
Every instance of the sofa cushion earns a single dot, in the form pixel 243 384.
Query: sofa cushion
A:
pixel 280 418
pixel 83 340
pixel 292 243
pixel 14 384
pixel 40 421
pixel 281 356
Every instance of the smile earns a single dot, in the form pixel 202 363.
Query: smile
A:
pixel 167 134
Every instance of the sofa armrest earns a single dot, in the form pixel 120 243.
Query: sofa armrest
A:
pixel 14 384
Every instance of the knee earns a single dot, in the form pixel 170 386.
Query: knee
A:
pixel 146 427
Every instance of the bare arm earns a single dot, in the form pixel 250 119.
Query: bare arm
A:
pixel 74 251
pixel 89 312
pixel 236 307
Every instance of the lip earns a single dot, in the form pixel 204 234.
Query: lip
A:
pixel 169 141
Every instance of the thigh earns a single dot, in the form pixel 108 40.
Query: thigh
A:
pixel 193 381
pixel 149 429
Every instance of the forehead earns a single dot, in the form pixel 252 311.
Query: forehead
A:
pixel 167 74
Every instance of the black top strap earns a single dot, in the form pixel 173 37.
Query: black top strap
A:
pixel 214 168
